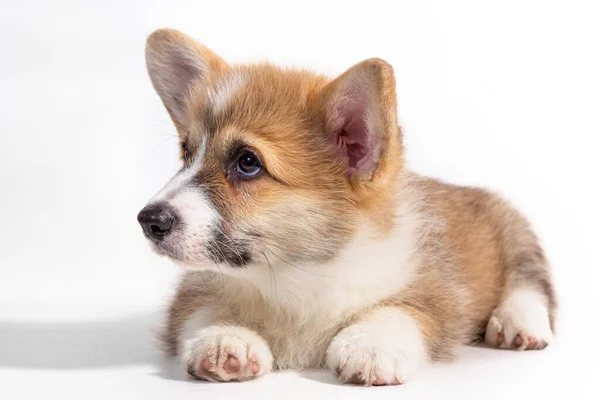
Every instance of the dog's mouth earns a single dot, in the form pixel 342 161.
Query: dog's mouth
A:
pixel 160 249
pixel 219 249
pixel 222 249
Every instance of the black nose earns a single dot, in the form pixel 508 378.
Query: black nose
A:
pixel 156 221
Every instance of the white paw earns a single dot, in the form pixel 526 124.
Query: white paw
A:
pixel 521 322
pixel 386 349
pixel 226 353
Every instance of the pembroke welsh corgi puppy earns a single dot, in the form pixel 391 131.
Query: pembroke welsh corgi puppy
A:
pixel 308 243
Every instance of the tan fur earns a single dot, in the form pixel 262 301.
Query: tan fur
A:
pixel 472 249
pixel 452 298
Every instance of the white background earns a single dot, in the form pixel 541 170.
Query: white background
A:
pixel 500 94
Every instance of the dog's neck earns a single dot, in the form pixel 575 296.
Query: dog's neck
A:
pixel 373 265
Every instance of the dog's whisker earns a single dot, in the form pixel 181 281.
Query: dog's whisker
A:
pixel 163 142
pixel 272 273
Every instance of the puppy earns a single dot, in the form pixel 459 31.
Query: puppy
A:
pixel 308 244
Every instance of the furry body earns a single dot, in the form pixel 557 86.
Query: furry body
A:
pixel 333 254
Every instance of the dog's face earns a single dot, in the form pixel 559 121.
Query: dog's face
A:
pixel 279 166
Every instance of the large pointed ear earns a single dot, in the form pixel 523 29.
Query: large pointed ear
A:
pixel 361 120
pixel 175 63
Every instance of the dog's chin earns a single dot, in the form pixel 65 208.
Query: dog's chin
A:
pixel 165 250
pixel 158 249
pixel 205 265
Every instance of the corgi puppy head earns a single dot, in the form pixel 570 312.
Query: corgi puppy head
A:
pixel 278 165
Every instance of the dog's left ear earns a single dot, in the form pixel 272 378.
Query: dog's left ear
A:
pixel 361 120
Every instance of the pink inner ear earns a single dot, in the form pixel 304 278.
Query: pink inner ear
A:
pixel 351 136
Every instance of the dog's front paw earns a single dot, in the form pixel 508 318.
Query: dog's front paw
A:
pixel 226 353
pixel 377 354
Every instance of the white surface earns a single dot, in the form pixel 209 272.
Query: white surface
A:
pixel 505 96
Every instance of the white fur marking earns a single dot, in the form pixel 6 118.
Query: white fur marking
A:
pixel 183 178
pixel 386 347
pixel 523 312
pixel 225 89
pixel 201 318
pixel 191 203
pixel 196 212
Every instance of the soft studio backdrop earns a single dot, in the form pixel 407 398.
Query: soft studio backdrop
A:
pixel 499 94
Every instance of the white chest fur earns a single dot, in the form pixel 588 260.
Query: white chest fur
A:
pixel 298 309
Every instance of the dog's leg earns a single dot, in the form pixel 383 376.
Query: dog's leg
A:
pixel 384 348
pixel 524 319
pixel 203 336
pixel 226 353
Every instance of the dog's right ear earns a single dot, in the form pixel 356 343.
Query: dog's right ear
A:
pixel 176 63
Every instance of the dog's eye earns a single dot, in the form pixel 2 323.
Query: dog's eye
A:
pixel 248 165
